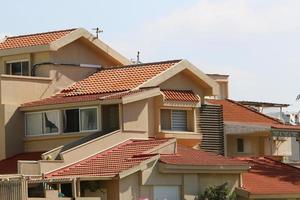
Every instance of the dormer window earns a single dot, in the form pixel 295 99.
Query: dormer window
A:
pixel 18 68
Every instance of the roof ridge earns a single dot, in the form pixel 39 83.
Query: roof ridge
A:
pixel 41 33
pixel 176 90
pixel 140 64
pixel 264 115
pixel 281 163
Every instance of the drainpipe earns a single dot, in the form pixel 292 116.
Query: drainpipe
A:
pixel 35 66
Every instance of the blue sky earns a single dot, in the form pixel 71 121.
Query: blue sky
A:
pixel 256 42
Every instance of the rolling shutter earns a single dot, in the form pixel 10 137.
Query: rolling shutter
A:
pixel 179 120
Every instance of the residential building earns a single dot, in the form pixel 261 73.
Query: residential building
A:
pixel 249 132
pixel 83 123
pixel 39 65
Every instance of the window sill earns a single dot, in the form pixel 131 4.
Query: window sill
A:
pixel 58 136
pixel 181 134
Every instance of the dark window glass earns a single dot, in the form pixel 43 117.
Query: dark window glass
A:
pixel 16 68
pixel 66 190
pixel 240 145
pixel 110 118
pixel 25 68
pixel 8 68
pixel 165 119
pixel 71 121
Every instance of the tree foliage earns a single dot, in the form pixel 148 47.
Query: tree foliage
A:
pixel 220 192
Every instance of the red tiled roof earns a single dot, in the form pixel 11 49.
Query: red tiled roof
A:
pixel 270 177
pixel 189 156
pixel 118 79
pixel 10 165
pixel 180 95
pixel 236 112
pixel 113 161
pixel 131 153
pixel 33 39
pixel 107 84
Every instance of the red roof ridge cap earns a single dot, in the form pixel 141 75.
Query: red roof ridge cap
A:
pixel 41 33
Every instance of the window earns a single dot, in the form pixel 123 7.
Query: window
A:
pixel 111 120
pixel 34 124
pixel 51 122
pixel 175 120
pixel 20 68
pixel 240 145
pixel 42 123
pixel 71 121
pixel 88 119
pixel 83 119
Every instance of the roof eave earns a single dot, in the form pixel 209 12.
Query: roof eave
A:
pixel 178 168
pixel 24 50
pixel 67 105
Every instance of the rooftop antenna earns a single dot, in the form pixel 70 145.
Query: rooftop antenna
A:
pixel 138 58
pixel 97 30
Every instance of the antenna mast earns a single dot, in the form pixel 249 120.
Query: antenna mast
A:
pixel 97 30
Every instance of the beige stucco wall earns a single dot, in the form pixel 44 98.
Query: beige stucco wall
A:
pixel 256 145
pixel 282 147
pixel 81 52
pixel 129 187
pixel 46 143
pixel 11 129
pixel 183 81
pixel 14 126
pixel 253 145
pixel 62 76
pixel 17 90
pixel 135 116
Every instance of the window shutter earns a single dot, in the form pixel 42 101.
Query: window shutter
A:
pixel 179 120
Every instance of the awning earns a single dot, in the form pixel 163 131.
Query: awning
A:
pixel 234 129
pixel 285 133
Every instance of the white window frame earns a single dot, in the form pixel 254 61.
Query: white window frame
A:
pixel 80 130
pixel 17 61
pixel 43 123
